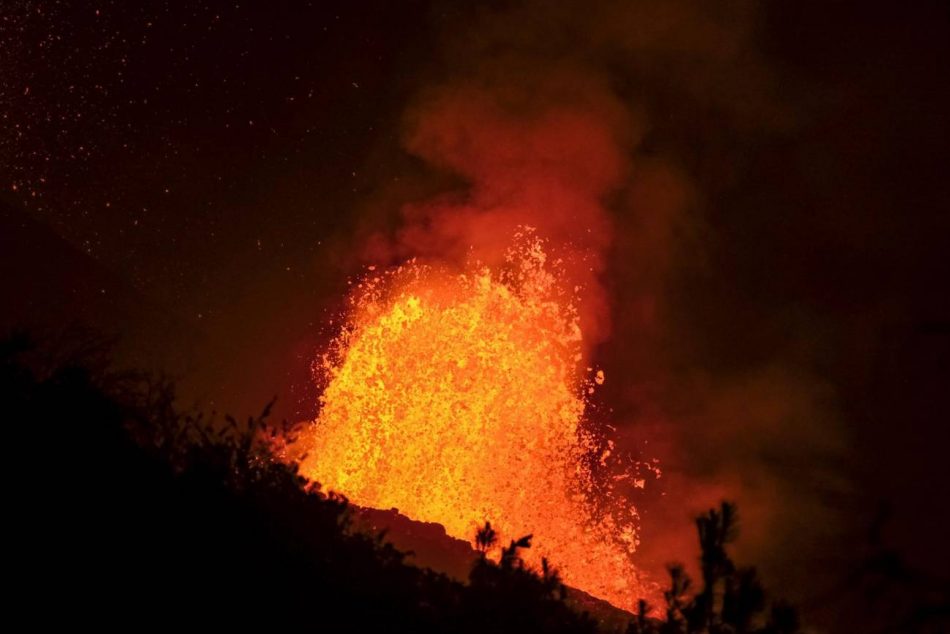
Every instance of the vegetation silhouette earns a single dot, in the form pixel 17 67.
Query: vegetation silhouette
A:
pixel 731 600
pixel 124 511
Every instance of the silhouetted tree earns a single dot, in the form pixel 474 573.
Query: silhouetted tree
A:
pixel 641 622
pixel 677 603
pixel 716 529
pixel 485 538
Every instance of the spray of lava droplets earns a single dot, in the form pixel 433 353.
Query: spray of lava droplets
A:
pixel 458 398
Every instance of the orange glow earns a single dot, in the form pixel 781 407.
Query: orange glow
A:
pixel 458 398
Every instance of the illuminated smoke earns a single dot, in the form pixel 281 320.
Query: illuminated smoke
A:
pixel 544 152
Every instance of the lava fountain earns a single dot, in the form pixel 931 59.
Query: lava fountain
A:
pixel 459 398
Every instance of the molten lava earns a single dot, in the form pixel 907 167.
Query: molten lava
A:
pixel 459 398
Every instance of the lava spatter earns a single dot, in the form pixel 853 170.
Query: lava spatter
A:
pixel 458 398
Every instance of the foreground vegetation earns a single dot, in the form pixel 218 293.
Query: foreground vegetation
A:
pixel 126 512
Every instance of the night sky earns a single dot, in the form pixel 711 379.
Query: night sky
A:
pixel 203 179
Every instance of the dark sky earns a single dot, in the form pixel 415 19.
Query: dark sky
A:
pixel 202 178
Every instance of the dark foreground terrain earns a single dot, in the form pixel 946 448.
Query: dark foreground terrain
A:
pixel 124 512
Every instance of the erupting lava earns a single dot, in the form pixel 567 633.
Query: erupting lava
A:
pixel 458 398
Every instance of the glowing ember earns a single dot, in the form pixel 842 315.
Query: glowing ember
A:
pixel 456 399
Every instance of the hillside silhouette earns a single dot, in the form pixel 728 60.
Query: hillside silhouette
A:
pixel 124 512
